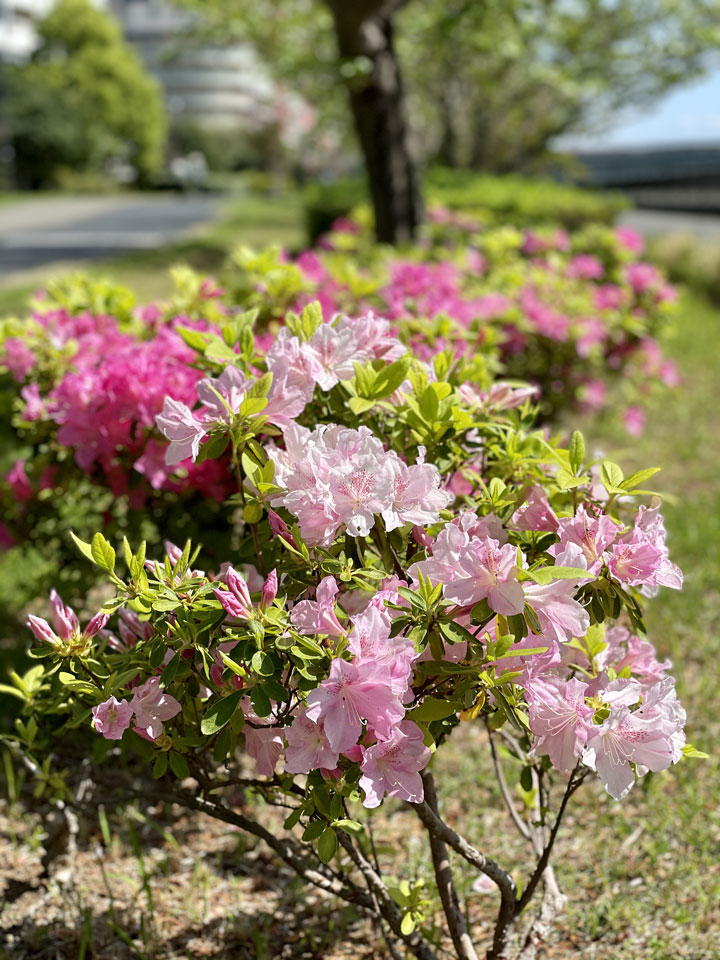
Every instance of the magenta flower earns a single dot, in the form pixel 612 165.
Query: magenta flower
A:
pixel 236 599
pixel 112 718
pixel 351 693
pixel 393 766
pixel 151 706
pixel 308 747
pixel 559 719
pixel 20 486
pixel 177 423
pixel 311 617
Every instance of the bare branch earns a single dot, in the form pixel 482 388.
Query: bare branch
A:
pixel 502 879
pixel 572 785
pixel 385 903
pixel 443 876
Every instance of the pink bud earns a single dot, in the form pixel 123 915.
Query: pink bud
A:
pixel 279 527
pixel 42 629
pixel 421 537
pixel 96 625
pixel 269 590
pixel 65 622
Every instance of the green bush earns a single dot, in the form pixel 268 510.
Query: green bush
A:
pixel 511 199
pixel 326 202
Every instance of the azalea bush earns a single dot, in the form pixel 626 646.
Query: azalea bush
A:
pixel 406 553
pixel 578 317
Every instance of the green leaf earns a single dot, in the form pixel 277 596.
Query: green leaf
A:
pixel 263 664
pixel 689 751
pixel 545 575
pixel 349 826
pixel 213 448
pixel 327 845
pixel 567 481
pixel 433 710
pixel 314 830
pixel 102 553
pixel 83 547
pixel 160 766
pixel 220 713
pixel 576 450
pixel 407 925
pixel 637 479
pixel 455 632
pixel 611 475
pixel 360 404
pixel 178 765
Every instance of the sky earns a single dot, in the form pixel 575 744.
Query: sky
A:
pixel 688 114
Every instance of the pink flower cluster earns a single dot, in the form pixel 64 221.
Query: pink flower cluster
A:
pixel 150 706
pixel 361 700
pixel 337 478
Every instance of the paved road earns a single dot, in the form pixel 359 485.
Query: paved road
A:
pixel 42 231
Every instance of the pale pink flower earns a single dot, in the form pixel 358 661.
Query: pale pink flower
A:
pixel 559 719
pixel 351 693
pixel 536 512
pixel 308 747
pixel 393 766
pixel 487 570
pixel 317 616
pixel 417 497
pixel 65 624
pixel 177 423
pixel 592 532
pixel 112 718
pixel 622 738
pixel 269 590
pixel 558 612
pixel 333 354
pixel 634 420
pixel 264 745
pixel 151 706
pixel 222 396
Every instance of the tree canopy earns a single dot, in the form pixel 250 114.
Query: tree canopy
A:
pixel 83 100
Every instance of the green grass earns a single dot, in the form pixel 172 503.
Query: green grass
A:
pixel 253 219
pixel 643 875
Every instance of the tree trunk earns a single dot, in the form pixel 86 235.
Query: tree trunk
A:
pixel 364 30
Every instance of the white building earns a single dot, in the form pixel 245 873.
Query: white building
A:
pixel 216 86
pixel 17 27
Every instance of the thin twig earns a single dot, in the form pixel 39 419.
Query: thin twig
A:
pixel 522 827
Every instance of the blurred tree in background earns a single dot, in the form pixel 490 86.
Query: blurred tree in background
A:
pixel 492 82
pixel 83 101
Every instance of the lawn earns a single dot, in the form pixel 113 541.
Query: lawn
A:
pixel 642 876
